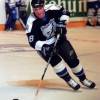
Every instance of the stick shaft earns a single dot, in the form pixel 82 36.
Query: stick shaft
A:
pixel 39 85
pixel 22 23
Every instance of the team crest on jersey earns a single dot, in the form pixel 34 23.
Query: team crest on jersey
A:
pixel 49 29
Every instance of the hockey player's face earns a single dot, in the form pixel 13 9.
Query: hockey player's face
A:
pixel 39 12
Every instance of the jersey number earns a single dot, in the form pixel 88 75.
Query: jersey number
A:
pixel 31 38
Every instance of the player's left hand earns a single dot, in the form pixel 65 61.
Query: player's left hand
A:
pixel 61 28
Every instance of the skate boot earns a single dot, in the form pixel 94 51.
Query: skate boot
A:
pixel 97 24
pixel 88 83
pixel 89 24
pixel 74 85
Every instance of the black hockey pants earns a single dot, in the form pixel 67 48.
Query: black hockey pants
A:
pixel 65 51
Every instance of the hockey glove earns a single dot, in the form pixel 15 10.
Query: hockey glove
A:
pixel 61 28
pixel 47 49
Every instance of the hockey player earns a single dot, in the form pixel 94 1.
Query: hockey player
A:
pixel 11 14
pixel 42 29
pixel 21 4
pixel 93 12
pixel 98 13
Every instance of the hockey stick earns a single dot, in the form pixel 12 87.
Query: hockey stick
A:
pixel 21 22
pixel 39 85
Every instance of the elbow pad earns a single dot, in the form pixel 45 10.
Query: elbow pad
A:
pixel 64 18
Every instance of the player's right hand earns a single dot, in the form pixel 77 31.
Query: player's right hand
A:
pixel 47 49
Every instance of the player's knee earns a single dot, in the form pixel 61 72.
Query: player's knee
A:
pixel 55 60
pixel 73 63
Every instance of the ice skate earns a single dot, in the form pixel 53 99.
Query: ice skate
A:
pixel 88 83
pixel 89 24
pixel 74 85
